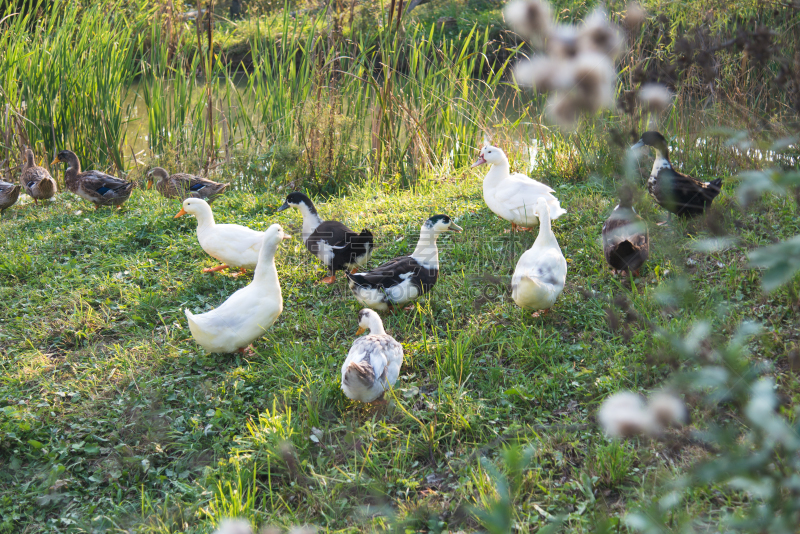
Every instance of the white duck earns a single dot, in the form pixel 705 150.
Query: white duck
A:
pixel 373 363
pixel 513 197
pixel 246 315
pixel 542 270
pixel 234 245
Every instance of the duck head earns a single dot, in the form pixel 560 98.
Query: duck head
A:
pixel 29 157
pixel 297 199
pixel 156 172
pixel 490 154
pixel 653 139
pixel 65 156
pixel 194 206
pixel 368 320
pixel 441 223
pixel 275 233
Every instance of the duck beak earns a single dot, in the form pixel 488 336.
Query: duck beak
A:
pixel 455 228
pixel 284 207
pixel 638 145
pixel 149 184
pixel 180 213
pixel 360 330
pixel 480 161
pixel 54 161
pixel 286 236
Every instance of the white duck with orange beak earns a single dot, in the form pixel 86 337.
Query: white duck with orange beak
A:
pixel 234 245
pixel 513 197
pixel 244 316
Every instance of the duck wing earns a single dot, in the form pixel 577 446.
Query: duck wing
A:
pixel 546 265
pixel 393 273
pixel 32 176
pixel 626 243
pixel 200 187
pixel 9 193
pixel 625 226
pixel 347 247
pixel 682 194
pixel 520 192
pixel 103 188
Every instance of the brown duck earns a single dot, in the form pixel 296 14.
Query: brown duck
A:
pixel 9 193
pixel 184 186
pixel 675 192
pixel 97 187
pixel 36 180
pixel 626 242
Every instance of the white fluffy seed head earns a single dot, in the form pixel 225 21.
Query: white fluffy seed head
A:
pixel 599 34
pixel 668 410
pixel 563 110
pixel 624 415
pixel 654 97
pixel 530 18
pixel 234 526
pixel 542 73
pixel 591 84
pixel 562 43
pixel 635 16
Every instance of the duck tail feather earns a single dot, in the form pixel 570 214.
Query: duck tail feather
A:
pixel 362 372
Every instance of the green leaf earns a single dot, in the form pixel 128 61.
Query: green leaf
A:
pixel 781 262
pixel 518 392
pixel 35 444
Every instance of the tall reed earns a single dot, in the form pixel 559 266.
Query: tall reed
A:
pixel 66 75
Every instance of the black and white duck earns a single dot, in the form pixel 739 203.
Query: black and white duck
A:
pixel 626 242
pixel 402 280
pixel 337 246
pixel 373 363
pixel 675 192
pixel 97 187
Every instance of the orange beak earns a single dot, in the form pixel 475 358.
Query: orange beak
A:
pixel 360 330
pixel 180 213
pixel 149 184
pixel 54 161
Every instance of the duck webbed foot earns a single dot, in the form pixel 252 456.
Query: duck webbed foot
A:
pixel 331 278
pixel 239 273
pixel 540 313
pixel 216 269
pixel 380 401
pixel 247 351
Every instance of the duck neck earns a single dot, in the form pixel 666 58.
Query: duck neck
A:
pixel 498 172
pixel 376 325
pixel 162 186
pixel 29 158
pixel 546 236
pixel 73 168
pixel 661 161
pixel 266 274
pixel 310 219
pixel 427 253
pixel 205 220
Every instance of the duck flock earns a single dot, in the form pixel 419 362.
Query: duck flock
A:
pixel 374 361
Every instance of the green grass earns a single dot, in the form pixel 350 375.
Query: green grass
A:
pixel 112 418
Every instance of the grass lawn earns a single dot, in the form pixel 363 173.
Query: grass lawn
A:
pixel 112 418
